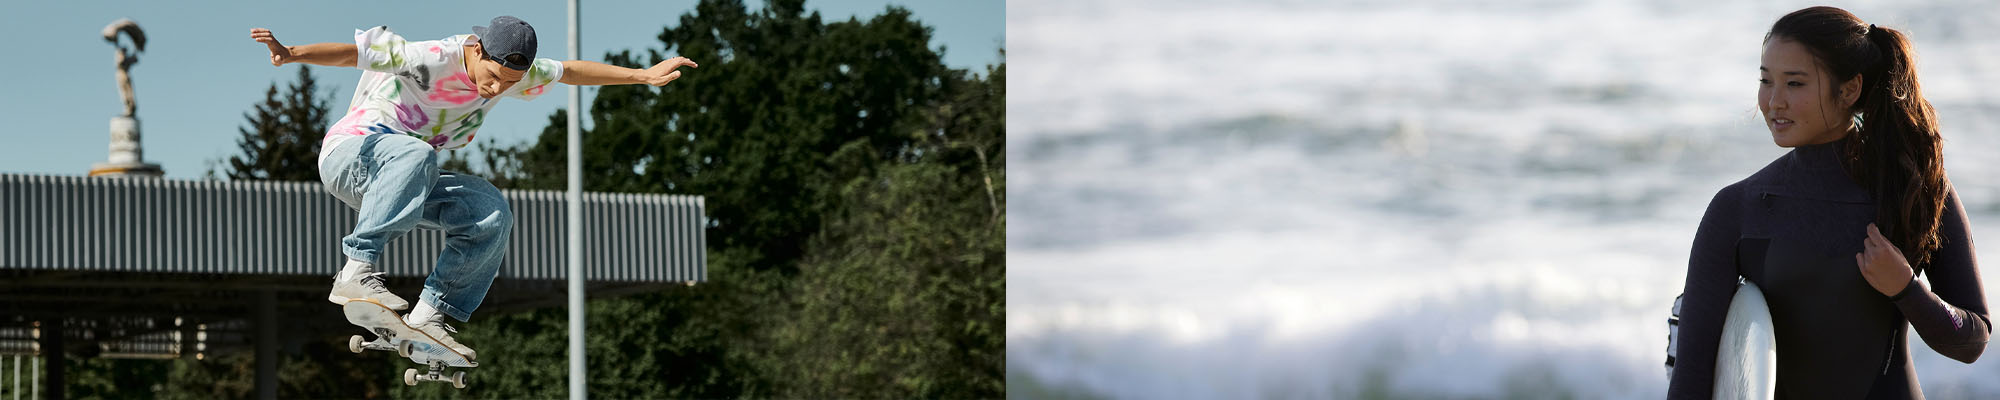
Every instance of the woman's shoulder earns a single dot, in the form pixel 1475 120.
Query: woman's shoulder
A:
pixel 1773 174
pixel 1778 167
pixel 1730 197
pixel 1739 192
pixel 1772 177
pixel 1769 175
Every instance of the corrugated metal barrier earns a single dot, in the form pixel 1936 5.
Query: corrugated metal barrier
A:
pixel 294 228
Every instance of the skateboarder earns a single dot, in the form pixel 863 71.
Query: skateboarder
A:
pixel 415 99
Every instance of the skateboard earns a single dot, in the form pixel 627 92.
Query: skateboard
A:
pixel 392 334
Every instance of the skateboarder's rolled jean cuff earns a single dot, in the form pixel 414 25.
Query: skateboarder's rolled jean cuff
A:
pixel 358 255
pixel 436 300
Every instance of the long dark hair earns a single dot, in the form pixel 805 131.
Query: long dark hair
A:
pixel 1895 152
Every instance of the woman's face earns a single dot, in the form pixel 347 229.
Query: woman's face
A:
pixel 1797 98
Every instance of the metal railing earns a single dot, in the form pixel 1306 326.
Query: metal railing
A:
pixel 294 228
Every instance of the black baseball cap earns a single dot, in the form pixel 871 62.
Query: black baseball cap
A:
pixel 509 41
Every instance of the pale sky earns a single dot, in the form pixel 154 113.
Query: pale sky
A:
pixel 200 72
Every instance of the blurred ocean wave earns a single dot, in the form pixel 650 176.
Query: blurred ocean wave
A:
pixel 1400 199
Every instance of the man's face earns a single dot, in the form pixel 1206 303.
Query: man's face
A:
pixel 489 75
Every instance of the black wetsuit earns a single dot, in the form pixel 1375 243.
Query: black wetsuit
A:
pixel 1794 228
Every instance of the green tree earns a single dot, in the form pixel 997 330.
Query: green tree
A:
pixel 281 140
pixel 902 293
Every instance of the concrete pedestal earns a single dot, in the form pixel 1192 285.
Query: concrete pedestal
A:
pixel 127 159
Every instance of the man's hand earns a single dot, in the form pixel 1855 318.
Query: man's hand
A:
pixel 1882 264
pixel 279 53
pixel 665 72
pixel 328 54
pixel 580 72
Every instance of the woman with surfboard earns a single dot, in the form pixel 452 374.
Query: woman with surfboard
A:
pixel 1836 231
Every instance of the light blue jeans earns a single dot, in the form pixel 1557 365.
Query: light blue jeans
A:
pixel 394 184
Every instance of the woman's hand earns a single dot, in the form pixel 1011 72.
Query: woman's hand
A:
pixel 279 53
pixel 1882 264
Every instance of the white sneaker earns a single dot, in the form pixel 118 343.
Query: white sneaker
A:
pixel 434 325
pixel 359 281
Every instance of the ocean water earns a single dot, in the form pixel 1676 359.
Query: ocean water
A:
pixel 1402 198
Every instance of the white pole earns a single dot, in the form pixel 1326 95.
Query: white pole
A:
pixel 17 377
pixel 576 381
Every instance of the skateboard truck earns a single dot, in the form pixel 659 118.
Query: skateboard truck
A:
pixel 382 342
pixel 435 368
pixel 435 374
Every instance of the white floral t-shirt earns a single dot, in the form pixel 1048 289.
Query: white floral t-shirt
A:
pixel 421 89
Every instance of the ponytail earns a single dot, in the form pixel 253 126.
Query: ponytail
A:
pixel 1900 154
pixel 1895 151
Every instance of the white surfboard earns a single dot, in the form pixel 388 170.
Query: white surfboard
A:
pixel 1746 363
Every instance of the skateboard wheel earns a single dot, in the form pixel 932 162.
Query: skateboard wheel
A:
pixel 405 349
pixel 410 377
pixel 354 343
pixel 458 380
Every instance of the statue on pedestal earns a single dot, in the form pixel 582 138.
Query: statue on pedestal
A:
pixel 127 159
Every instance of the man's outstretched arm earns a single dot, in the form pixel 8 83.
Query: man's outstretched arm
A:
pixel 328 54
pixel 579 72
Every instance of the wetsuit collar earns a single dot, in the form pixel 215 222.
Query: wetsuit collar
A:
pixel 1823 156
pixel 1816 172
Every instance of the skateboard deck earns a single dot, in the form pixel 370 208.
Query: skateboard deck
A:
pixel 392 334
